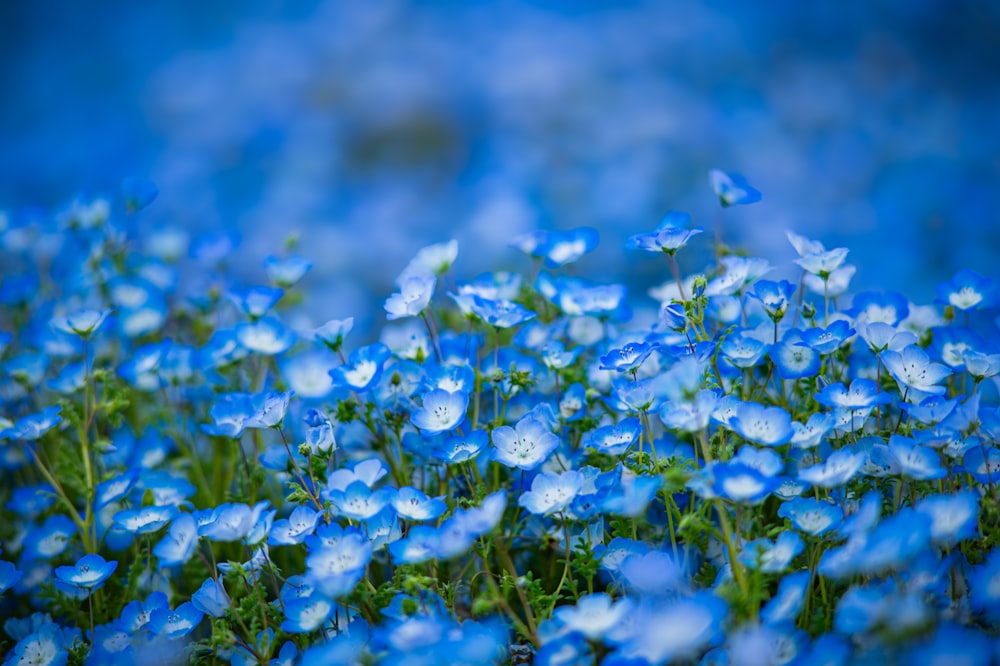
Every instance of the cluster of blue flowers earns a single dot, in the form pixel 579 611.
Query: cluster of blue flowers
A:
pixel 520 469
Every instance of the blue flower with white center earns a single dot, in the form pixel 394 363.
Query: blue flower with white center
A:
pixel 837 470
pixel 269 410
pixel 422 543
pixel 895 542
pixel 772 557
pixel 525 446
pixel 981 365
pixel 136 613
pixel 636 396
pixel 305 615
pixel 767 426
pixel 823 263
pixel 880 336
pixel 667 239
pixel 412 299
pixel 333 332
pixel 968 291
pixel 809 435
pixel 884 307
pixel 954 644
pixel 613 439
pixel 913 370
pixel 431 260
pixel 743 349
pixel 741 483
pixel 835 285
pixel 732 188
pixel 335 569
pixel 231 522
pixel 82 323
pixel 565 247
pixel 308 374
pixel 605 301
pixel 573 403
pixel 828 340
pixel 812 516
pixel 691 416
pixel 551 493
pixel 414 504
pixel 500 313
pixel 33 426
pixel 114 489
pixel 954 517
pixel 629 357
pixel 359 502
pixel 179 544
pixel 949 343
pixel 674 631
pixel 211 598
pixel 147 520
pixel 363 368
pixel 774 296
pixel 459 448
pixel 863 394
pixel 594 615
pixel 369 472
pixel 171 624
pixel 739 273
pixel 44 647
pixel 286 271
pixel 441 411
pixel 932 410
pixel 766 461
pixel 915 461
pixel 294 529
pixel 267 336
pixel 89 572
pixel 787 602
pixel 255 302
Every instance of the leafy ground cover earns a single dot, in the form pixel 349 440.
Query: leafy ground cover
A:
pixel 521 468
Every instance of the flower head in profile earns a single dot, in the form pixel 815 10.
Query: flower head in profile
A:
pixel 732 188
pixel 82 322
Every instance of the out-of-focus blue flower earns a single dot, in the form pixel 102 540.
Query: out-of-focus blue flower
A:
pixel 255 302
pixel 138 193
pixel 741 483
pixel 359 502
pixel 823 263
pixel 551 493
pixel 333 332
pixel 267 336
pixel 968 291
pixel 812 516
pixel 788 601
pixel 178 545
pixel 147 520
pixel 732 188
pixel 772 557
pixel 835 471
pixel 33 426
pixel 307 614
pixel 286 271
pixel 863 394
pixel 82 322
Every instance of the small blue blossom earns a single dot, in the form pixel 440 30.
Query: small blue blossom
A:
pixel 286 271
pixel 629 358
pixel 174 623
pixel 363 368
pixel 551 493
pixel 255 302
pixel 82 322
pixel 741 483
pixel 968 291
pixel 211 598
pixel 614 439
pixel 525 446
pixel 812 516
pixel 768 426
pixel 89 572
pixel 412 299
pixel 441 411
pixel 732 188
pixel 413 504
pixel 267 336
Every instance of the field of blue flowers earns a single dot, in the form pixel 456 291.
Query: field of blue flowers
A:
pixel 520 469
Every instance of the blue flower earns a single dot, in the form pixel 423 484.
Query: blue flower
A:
pixel 50 539
pixel 666 239
pixel 255 302
pixel 179 544
pixel 774 296
pixel 741 483
pixel 863 394
pixel 837 470
pixel 613 439
pixel 147 520
pixel 441 411
pixel 525 446
pixel 89 572
pixel 828 340
pixel 305 615
pixel 82 322
pixel 953 517
pixel 294 529
pixel 732 188
pixel 788 601
pixel 823 263
pixel 742 349
pixel 880 336
pixel 336 568
pixel 33 426
pixel 363 368
pixel 414 504
pixel 551 493
pixel 333 332
pixel 230 522
pixel 968 291
pixel 808 435
pixel 793 358
pixel 812 516
pixel 211 598
pixel 431 260
pixel 138 193
pixel 267 336
pixel 359 502
pixel 459 448
pixel 629 357
pixel 915 461
pixel 768 426
pixel 286 271
pixel 44 647
pixel 984 586
pixel 772 557
pixel 594 615
pixel 412 299
pixel 500 313
pixel 564 247
pixel 9 575
pixel 175 623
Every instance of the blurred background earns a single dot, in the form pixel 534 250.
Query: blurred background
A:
pixel 374 128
